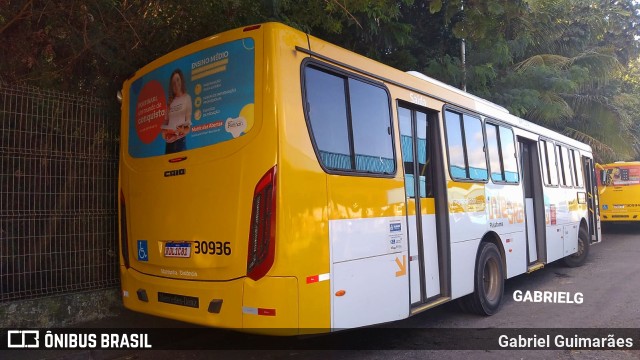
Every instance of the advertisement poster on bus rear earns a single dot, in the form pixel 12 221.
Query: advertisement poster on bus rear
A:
pixel 198 100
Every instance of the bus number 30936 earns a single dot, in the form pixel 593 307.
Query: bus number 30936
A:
pixel 212 247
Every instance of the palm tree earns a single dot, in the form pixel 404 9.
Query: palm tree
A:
pixel 570 80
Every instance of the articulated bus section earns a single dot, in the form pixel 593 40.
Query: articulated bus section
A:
pixel 272 182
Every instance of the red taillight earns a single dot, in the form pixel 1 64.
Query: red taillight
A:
pixel 262 230
pixel 124 240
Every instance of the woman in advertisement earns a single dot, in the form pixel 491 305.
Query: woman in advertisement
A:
pixel 178 122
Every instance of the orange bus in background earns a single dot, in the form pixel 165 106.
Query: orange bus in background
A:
pixel 619 189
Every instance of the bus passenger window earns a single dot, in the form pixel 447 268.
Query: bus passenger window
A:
pixel 414 131
pixel 475 148
pixel 424 166
pixel 327 110
pixel 502 154
pixel 544 159
pixel 465 144
pixel 495 162
pixel 457 164
pixel 510 162
pixel 370 114
pixel 567 177
pixel 406 146
pixel 552 164
pixel 577 168
pixel 350 122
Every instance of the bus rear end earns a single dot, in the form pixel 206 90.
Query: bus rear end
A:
pixel 619 190
pixel 198 188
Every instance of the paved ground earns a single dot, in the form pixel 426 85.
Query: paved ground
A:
pixel 608 283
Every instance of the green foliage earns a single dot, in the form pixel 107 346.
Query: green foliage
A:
pixel 435 6
pixel 568 64
pixel 92 46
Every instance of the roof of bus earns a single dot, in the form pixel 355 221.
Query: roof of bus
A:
pixel 620 163
pixel 456 90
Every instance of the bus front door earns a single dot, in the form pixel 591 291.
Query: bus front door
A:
pixel 416 130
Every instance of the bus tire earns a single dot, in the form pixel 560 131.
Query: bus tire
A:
pixel 488 282
pixel 579 258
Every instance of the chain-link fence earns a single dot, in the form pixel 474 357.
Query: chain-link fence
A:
pixel 58 188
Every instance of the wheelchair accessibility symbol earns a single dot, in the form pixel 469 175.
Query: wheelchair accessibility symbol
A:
pixel 143 253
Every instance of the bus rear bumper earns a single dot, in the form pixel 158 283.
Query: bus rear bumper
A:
pixel 269 305
pixel 617 217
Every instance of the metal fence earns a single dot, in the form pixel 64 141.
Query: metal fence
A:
pixel 58 188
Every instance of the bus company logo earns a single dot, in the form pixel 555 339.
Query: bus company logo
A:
pixel 395 227
pixel 177 172
pixel 20 339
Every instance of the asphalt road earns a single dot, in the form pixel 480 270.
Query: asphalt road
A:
pixel 607 285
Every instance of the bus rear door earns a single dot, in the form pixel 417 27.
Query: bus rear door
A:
pixel 416 134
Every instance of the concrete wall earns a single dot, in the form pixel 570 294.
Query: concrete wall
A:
pixel 61 310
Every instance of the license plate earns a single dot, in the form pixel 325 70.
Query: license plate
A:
pixel 179 250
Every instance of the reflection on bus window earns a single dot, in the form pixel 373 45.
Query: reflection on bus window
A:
pixel 502 154
pixel 465 144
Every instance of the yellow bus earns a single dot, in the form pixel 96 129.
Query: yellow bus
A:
pixel 271 181
pixel 619 191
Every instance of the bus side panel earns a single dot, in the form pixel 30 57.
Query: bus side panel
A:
pixel 302 247
pixel 370 282
pixel 554 230
pixel 467 222
pixel 506 217
pixel 569 228
pixel 467 210
pixel 373 293
pixel 515 252
pixel 463 264
pixel 570 238
pixel 562 217
pixel 271 303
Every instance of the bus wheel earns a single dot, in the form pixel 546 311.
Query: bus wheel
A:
pixel 580 256
pixel 488 282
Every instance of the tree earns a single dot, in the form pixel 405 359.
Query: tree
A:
pixel 573 65
pixel 556 63
pixel 92 46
